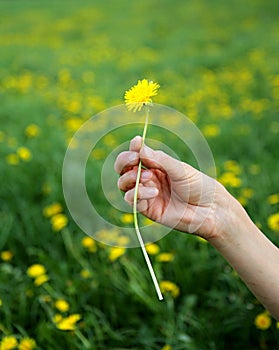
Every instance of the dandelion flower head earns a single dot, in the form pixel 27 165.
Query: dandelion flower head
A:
pixel 140 94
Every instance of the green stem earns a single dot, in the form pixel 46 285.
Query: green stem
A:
pixel 154 279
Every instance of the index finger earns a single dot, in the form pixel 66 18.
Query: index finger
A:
pixel 126 160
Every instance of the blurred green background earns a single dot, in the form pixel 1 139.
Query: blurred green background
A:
pixel 61 63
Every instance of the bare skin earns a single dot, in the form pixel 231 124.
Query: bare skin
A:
pixel 177 195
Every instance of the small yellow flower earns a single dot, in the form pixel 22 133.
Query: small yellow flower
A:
pixel 211 130
pixel 273 198
pixel 165 257
pixel 8 343
pixel 127 218
pixel 273 222
pixel 32 130
pixel 277 325
pixel 89 243
pixel 116 252
pixel 36 270
pixel 85 273
pixel 140 94
pixel 24 154
pixel 6 255
pixel 12 159
pixel 41 280
pixel 58 222
pixel 167 347
pixel 1 302
pixel 52 209
pixel 27 344
pixel 62 305
pixel 57 318
pixel 152 248
pixel 232 166
pixel 230 179
pixel 170 287
pixel 68 323
pixel 263 321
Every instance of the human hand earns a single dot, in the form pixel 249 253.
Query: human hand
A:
pixel 171 192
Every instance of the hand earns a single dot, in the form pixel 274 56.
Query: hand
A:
pixel 170 192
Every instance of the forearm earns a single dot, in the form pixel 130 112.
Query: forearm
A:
pixel 250 253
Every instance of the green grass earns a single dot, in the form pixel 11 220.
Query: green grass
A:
pixel 61 63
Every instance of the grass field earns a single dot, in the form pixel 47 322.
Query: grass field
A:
pixel 63 62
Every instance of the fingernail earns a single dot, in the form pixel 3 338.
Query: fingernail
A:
pixel 147 151
pixel 153 191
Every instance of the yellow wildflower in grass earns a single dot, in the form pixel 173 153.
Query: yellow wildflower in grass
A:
pixel 263 321
pixel 32 130
pixel 24 154
pixel 170 287
pixel 68 323
pixel 85 273
pixel 57 318
pixel 1 302
pixel 12 159
pixel 6 255
pixel 233 167
pixel 247 192
pixel 152 248
pixel 273 198
pixel 277 325
pixel 211 130
pixel 52 209
pixel 116 252
pixel 8 343
pixel 140 94
pixel 41 280
pixel 165 257
pixel 62 305
pixel 36 270
pixel 73 124
pixel 58 222
pixel 89 243
pixel 167 347
pixel 27 344
pixel 273 222
pixel 126 218
pixel 230 179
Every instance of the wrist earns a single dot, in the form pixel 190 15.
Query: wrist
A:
pixel 230 219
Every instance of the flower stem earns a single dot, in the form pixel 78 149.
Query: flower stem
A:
pixel 154 279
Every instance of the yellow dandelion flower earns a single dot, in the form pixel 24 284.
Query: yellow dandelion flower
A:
pixel 116 252
pixel 170 287
pixel 140 94
pixel 41 280
pixel 58 222
pixel 32 130
pixel 89 243
pixel 68 323
pixel 24 154
pixel 211 130
pixel 167 347
pixel 232 166
pixel 62 305
pixel 52 209
pixel 273 198
pixel 85 273
pixel 27 344
pixel 12 159
pixel 263 321
pixel 57 318
pixel 273 222
pixel 6 255
pixel 36 270
pixel 8 343
pixel 230 179
pixel 165 257
pixel 126 218
pixel 1 302
pixel 152 248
